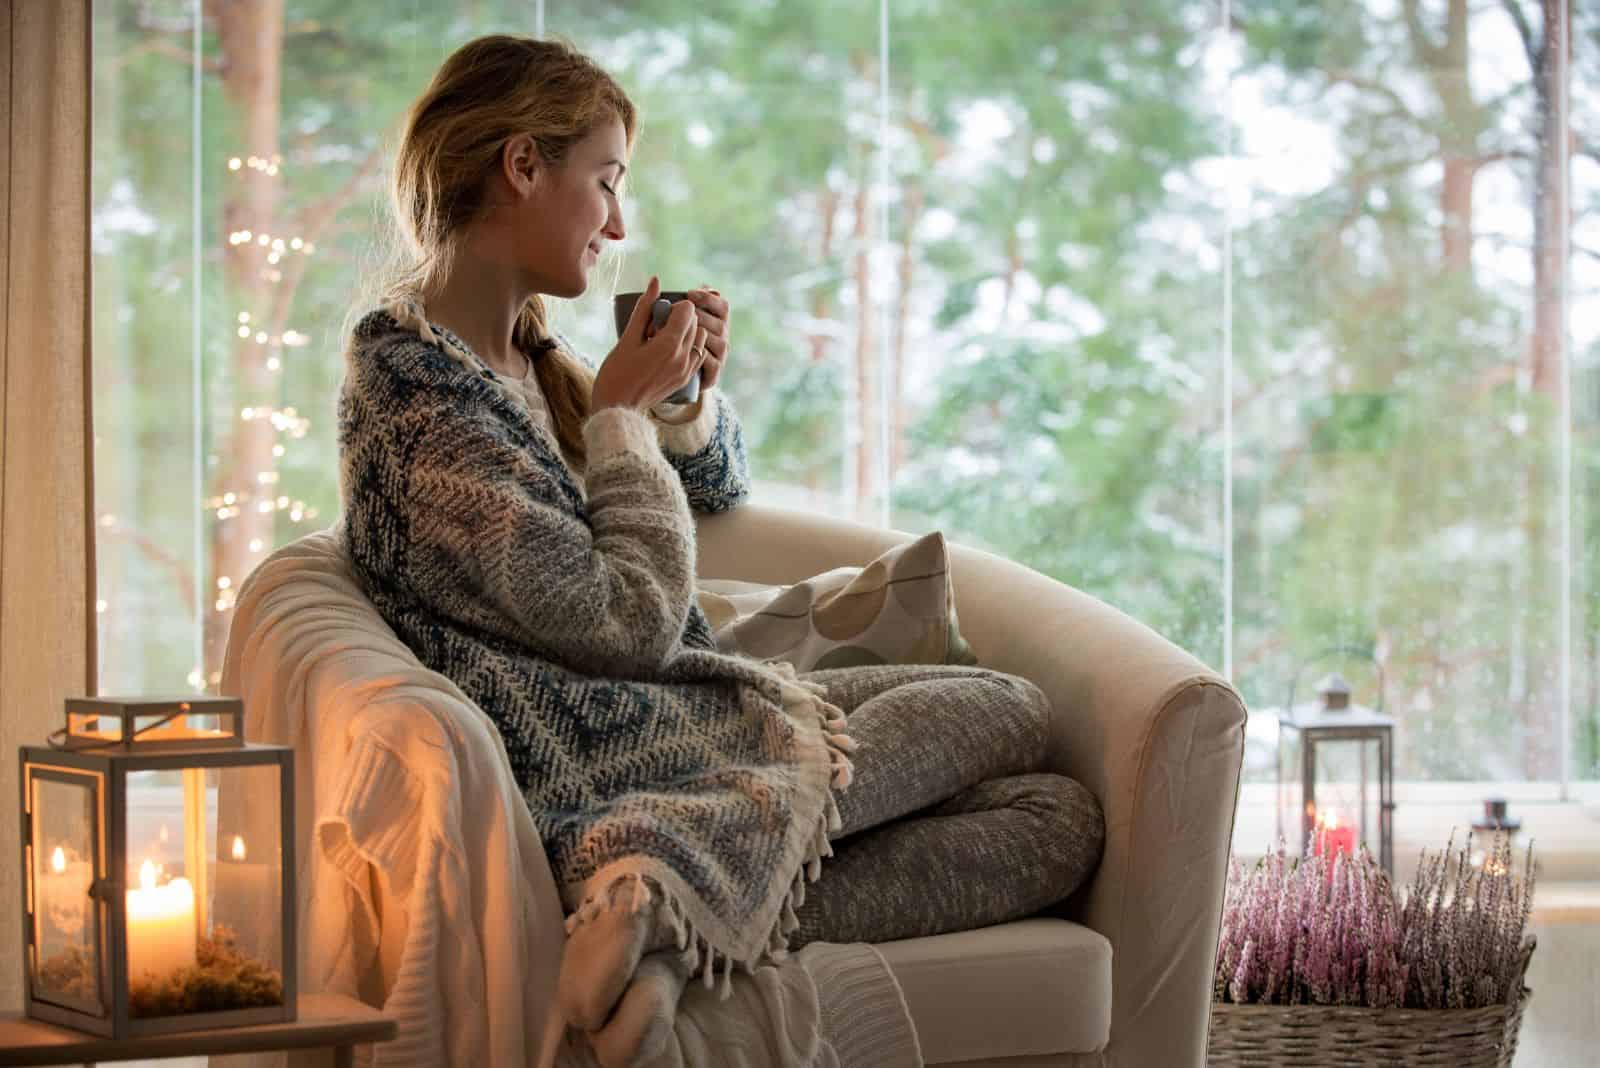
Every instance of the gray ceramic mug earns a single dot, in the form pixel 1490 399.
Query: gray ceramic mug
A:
pixel 622 310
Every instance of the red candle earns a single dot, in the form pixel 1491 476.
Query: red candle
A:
pixel 1332 839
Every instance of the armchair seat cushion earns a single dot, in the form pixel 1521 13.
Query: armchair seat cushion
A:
pixel 1036 986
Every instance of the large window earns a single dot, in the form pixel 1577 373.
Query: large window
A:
pixel 1273 324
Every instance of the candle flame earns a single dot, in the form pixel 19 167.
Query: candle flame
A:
pixel 1333 821
pixel 147 876
pixel 238 848
pixel 58 861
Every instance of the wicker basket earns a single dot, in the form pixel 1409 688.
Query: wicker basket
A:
pixel 1322 1036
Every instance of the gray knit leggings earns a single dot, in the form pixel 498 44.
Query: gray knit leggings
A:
pixel 990 837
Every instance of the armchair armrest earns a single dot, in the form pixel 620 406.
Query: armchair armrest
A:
pixel 1157 736
pixel 412 840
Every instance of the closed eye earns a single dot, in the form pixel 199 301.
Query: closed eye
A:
pixel 608 189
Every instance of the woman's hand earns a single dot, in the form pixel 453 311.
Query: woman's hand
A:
pixel 712 318
pixel 642 371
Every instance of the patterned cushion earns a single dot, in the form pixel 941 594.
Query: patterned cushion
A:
pixel 899 609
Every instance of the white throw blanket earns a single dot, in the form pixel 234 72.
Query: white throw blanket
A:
pixel 402 782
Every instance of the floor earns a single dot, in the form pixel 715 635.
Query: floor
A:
pixel 1561 1027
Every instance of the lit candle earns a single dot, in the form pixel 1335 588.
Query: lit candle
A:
pixel 246 894
pixel 1333 839
pixel 161 935
pixel 64 895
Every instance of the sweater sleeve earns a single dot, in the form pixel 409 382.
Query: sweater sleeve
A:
pixel 703 441
pixel 706 450
pixel 459 514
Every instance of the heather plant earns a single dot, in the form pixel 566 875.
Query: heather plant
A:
pixel 1313 932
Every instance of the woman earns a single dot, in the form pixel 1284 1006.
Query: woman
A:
pixel 526 525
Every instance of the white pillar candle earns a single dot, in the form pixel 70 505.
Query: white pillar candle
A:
pixel 64 897
pixel 160 925
pixel 247 900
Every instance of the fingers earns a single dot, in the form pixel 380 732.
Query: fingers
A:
pixel 712 311
pixel 639 320
pixel 682 338
pixel 711 366
pixel 710 302
pixel 681 323
pixel 716 342
pixel 713 326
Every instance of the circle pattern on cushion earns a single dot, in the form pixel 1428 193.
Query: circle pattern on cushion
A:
pixel 783 623
pixel 844 656
pixel 846 617
pixel 847 613
pixel 923 559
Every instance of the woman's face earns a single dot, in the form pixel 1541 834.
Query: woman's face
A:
pixel 562 218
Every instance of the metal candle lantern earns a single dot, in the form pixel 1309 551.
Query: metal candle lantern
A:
pixel 1335 731
pixel 144 912
pixel 1496 822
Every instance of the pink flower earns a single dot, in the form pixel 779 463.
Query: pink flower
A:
pixel 1297 930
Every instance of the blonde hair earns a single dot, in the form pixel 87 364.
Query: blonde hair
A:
pixel 488 91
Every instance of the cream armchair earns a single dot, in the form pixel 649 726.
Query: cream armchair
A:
pixel 1120 975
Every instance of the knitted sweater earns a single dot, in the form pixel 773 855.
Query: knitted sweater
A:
pixel 684 431
pixel 570 619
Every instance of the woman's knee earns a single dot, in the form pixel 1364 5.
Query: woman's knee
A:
pixel 1078 802
pixel 1031 704
pixel 1075 820
pixel 1060 821
pixel 1027 691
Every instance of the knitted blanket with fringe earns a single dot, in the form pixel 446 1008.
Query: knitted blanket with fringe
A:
pixel 645 756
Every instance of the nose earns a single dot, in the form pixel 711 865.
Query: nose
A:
pixel 614 228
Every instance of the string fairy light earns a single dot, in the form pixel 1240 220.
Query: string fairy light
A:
pixel 261 489
pixel 266 166
pixel 276 246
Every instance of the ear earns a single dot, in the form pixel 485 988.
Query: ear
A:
pixel 520 164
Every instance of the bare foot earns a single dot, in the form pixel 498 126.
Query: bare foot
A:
pixel 641 1026
pixel 600 957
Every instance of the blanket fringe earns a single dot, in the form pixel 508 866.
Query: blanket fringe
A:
pixel 787 672
pixel 700 956
pixel 801 699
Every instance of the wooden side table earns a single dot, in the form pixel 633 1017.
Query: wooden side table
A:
pixel 325 1021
